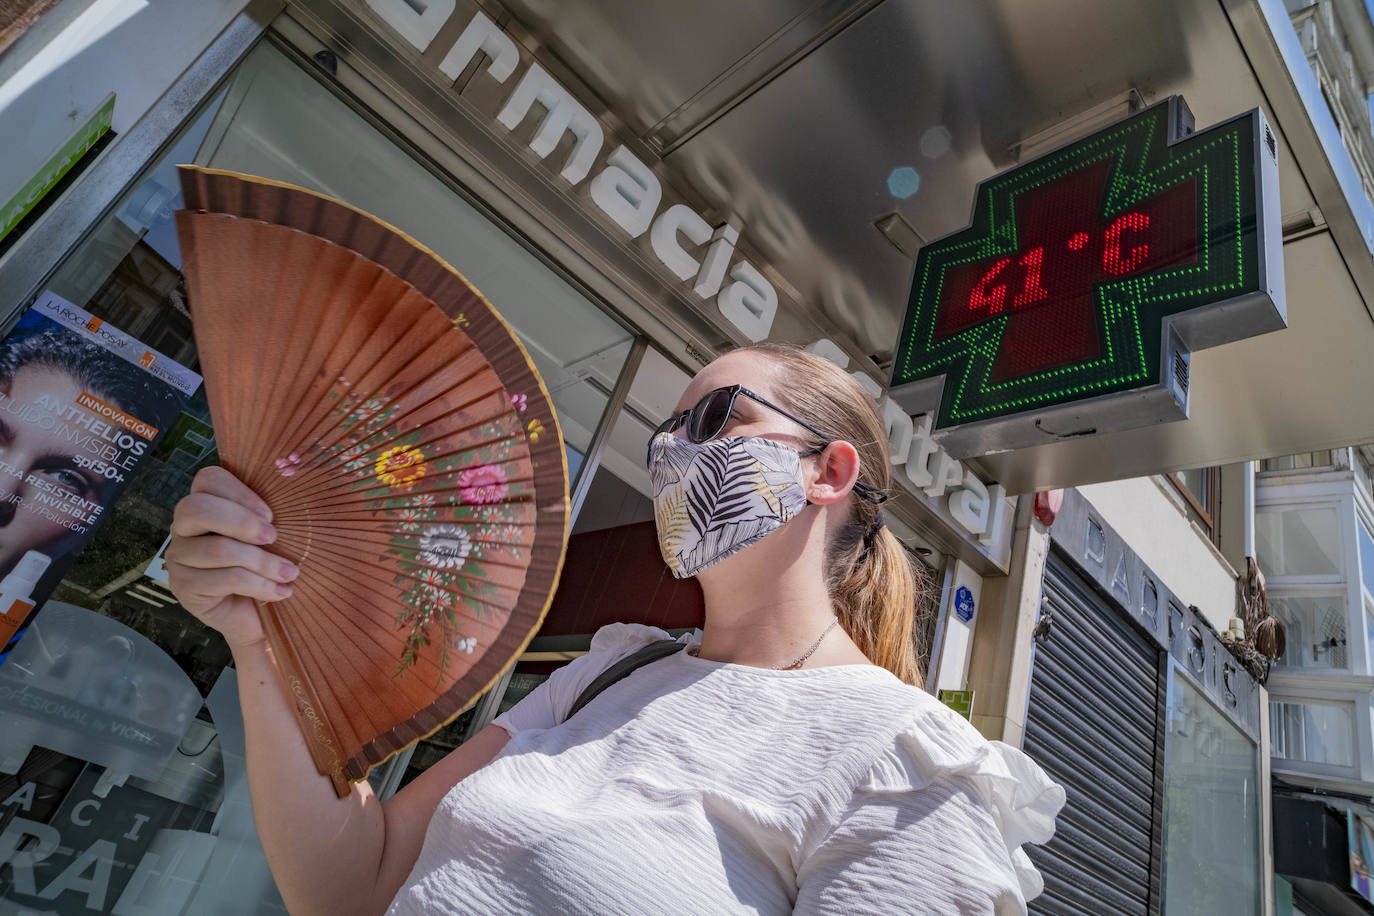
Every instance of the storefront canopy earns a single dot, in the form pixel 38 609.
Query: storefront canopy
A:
pixel 809 123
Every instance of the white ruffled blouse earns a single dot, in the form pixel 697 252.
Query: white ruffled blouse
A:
pixel 695 786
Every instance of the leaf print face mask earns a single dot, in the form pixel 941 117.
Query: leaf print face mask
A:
pixel 713 499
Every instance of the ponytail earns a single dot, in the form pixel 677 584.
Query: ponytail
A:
pixel 871 578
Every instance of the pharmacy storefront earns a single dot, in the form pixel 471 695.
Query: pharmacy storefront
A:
pixel 122 780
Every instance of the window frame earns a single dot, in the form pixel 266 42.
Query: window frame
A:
pixel 1206 513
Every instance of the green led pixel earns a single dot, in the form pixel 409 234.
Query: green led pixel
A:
pixel 1060 287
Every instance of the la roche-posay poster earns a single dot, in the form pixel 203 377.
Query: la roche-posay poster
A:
pixel 81 404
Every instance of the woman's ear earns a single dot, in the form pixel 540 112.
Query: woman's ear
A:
pixel 836 471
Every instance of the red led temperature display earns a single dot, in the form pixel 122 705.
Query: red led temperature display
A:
pixel 1061 288
pixel 1067 249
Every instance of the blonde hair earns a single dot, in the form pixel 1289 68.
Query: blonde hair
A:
pixel 872 581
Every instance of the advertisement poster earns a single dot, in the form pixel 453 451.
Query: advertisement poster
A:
pixel 81 404
pixel 1361 840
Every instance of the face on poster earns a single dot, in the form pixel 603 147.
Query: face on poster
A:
pixel 81 404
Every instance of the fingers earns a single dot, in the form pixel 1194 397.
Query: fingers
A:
pixel 216 549
pixel 207 587
pixel 212 551
pixel 216 481
pixel 205 513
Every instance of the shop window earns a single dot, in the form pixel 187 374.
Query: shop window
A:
pixel 1313 732
pixel 1315 630
pixel 289 127
pixel 1211 809
pixel 122 779
pixel 1200 490
pixel 1298 542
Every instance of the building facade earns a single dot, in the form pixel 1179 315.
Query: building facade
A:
pixel 576 165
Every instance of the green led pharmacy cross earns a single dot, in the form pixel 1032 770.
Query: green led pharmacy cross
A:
pixel 1071 303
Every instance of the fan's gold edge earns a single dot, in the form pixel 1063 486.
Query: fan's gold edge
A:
pixel 539 380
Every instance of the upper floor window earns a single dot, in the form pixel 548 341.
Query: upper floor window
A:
pixel 1318 459
pixel 1201 492
pixel 1313 731
pixel 1315 629
pixel 1303 541
pixel 1366 557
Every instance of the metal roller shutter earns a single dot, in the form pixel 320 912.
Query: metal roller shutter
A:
pixel 1093 723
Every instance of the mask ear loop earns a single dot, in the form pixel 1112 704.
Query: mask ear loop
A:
pixel 861 490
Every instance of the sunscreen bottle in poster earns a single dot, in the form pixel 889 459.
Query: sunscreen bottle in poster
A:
pixel 15 589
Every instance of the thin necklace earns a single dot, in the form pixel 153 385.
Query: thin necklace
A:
pixel 814 646
pixel 696 650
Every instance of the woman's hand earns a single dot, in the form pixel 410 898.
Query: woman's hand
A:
pixel 216 562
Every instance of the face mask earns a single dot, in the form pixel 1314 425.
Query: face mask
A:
pixel 713 499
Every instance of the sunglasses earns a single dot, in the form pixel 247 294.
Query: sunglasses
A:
pixel 706 420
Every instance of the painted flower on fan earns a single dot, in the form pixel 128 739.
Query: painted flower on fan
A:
pixel 466 644
pixel 461 321
pixel 535 429
pixel 483 484
pixel 287 466
pixel 353 459
pixel 445 546
pixel 409 519
pixel 401 467
pixel 520 402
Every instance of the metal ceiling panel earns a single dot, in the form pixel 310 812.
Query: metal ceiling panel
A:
pixel 804 158
pixel 662 64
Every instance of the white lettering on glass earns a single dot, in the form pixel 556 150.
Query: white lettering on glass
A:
pixel 78 815
pixel 22 796
pixel 17 834
pixel 98 859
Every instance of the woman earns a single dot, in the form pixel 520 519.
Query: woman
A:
pixel 51 463
pixel 786 763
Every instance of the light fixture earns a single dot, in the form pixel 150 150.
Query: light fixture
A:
pixel 903 182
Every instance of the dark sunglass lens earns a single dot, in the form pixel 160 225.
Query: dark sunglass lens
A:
pixel 709 416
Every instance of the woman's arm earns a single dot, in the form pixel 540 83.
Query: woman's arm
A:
pixel 332 855
pixel 328 855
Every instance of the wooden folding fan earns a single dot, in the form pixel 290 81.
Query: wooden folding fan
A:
pixel 405 444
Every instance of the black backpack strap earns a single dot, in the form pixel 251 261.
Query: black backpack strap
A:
pixel 652 652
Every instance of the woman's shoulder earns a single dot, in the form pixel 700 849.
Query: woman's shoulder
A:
pixel 932 747
pixel 623 638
